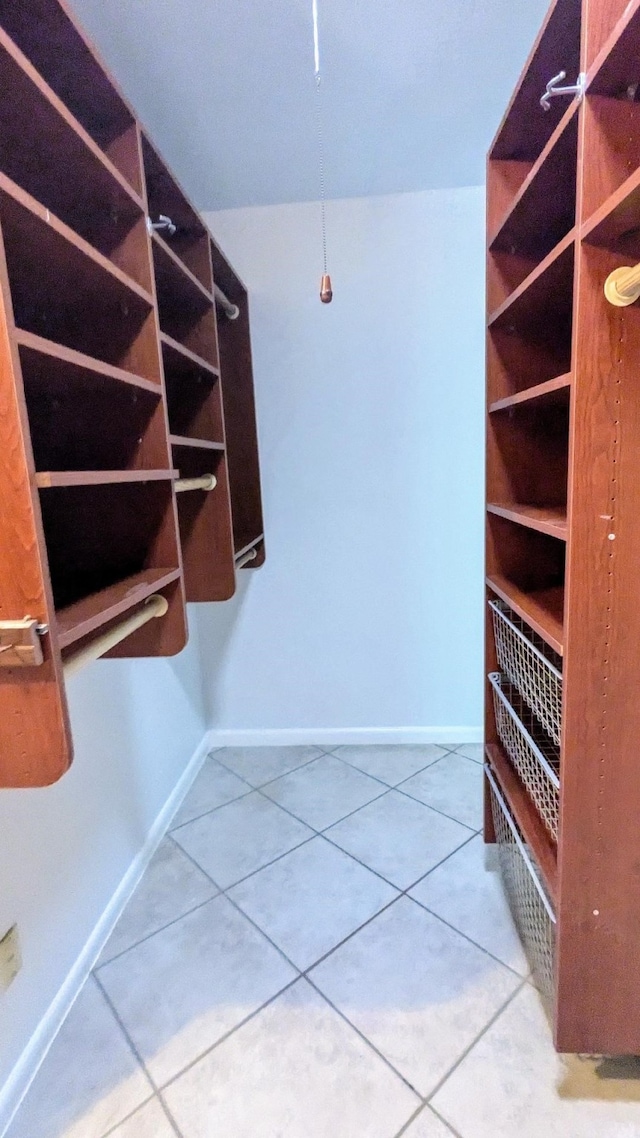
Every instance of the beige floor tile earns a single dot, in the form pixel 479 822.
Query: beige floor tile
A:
pixel 312 899
pixel 473 751
pixel 181 990
pixel 512 1084
pixel 453 785
pixel 214 786
pixel 258 765
pixel 240 838
pixel 427 1125
pixel 324 791
pixel 171 886
pixel 398 837
pixel 148 1122
pixel 471 898
pixel 392 764
pixel 89 1081
pixel 296 1070
pixel 416 989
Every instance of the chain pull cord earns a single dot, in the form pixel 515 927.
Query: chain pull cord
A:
pixel 326 291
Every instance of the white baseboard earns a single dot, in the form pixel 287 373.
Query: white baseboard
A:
pixel 340 736
pixel 25 1070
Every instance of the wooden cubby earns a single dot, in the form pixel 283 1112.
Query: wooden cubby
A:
pixel 111 387
pixel 563 502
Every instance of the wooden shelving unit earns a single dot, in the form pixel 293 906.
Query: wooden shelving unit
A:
pixel 111 387
pixel 563 535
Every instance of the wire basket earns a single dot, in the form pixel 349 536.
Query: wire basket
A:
pixel 534 755
pixel 534 668
pixel 530 906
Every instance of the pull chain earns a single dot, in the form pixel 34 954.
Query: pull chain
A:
pixel 326 292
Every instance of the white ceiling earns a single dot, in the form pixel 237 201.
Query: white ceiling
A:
pixel 413 90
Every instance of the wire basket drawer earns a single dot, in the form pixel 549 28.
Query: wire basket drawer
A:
pixel 534 755
pixel 530 906
pixel 531 665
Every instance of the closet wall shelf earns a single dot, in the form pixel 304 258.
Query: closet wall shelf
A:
pixel 551 520
pixel 617 217
pixel 545 160
pixel 50 479
pixel 543 609
pixel 88 615
pixel 549 391
pixel 198 444
pixel 549 276
pixel 77 363
pixel 533 829
pixel 65 117
pixel 175 268
pixel 96 262
pixel 180 349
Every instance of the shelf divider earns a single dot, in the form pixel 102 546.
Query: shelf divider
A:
pixel 551 520
pixel 198 444
pixel 541 391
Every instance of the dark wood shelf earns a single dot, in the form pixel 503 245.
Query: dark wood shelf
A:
pixel 548 189
pixel 178 276
pixel 548 286
pixel 550 392
pixel 529 821
pixel 180 355
pixel 615 67
pixel 190 242
pixel 526 128
pixel 66 367
pixel 90 614
pixel 543 609
pixel 615 224
pixel 197 444
pixel 551 520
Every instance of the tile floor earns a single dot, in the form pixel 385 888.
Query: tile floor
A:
pixel 317 951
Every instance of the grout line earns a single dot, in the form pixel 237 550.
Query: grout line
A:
pixel 118 955
pixel 425 1109
pixel 468 938
pixel 368 1042
pixel 451 818
pixel 455 1133
pixel 284 773
pixel 477 1039
pixel 241 880
pixel 112 1129
pixel 205 813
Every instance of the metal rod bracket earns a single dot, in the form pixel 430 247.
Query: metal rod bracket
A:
pixel 20 643
pixel 163 222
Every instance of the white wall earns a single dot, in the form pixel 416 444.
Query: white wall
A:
pixel 65 849
pixel 368 612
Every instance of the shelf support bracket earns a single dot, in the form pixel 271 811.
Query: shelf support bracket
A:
pixel 20 643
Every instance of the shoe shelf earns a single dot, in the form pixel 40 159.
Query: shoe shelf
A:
pixel 562 535
pixel 111 389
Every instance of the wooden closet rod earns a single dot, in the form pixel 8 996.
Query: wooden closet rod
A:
pixel 204 482
pixel 231 311
pixel 622 286
pixel 156 605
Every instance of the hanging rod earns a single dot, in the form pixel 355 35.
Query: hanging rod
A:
pixel 622 286
pixel 205 482
pixel 246 558
pixel 231 311
pixel 155 606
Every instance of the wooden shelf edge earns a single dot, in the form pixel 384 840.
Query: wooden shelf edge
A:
pixel 611 42
pixel 544 520
pixel 34 207
pixel 88 615
pixel 63 111
pixel 176 346
pixel 245 548
pixel 527 817
pixel 630 186
pixel 57 351
pixel 197 444
pixel 563 125
pixel 543 267
pixel 530 394
pixel 180 267
pixel 57 479
pixel 531 607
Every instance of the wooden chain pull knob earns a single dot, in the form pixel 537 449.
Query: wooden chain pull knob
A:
pixel 326 292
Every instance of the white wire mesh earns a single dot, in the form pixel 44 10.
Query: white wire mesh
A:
pixel 526 896
pixel 534 755
pixel 530 664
